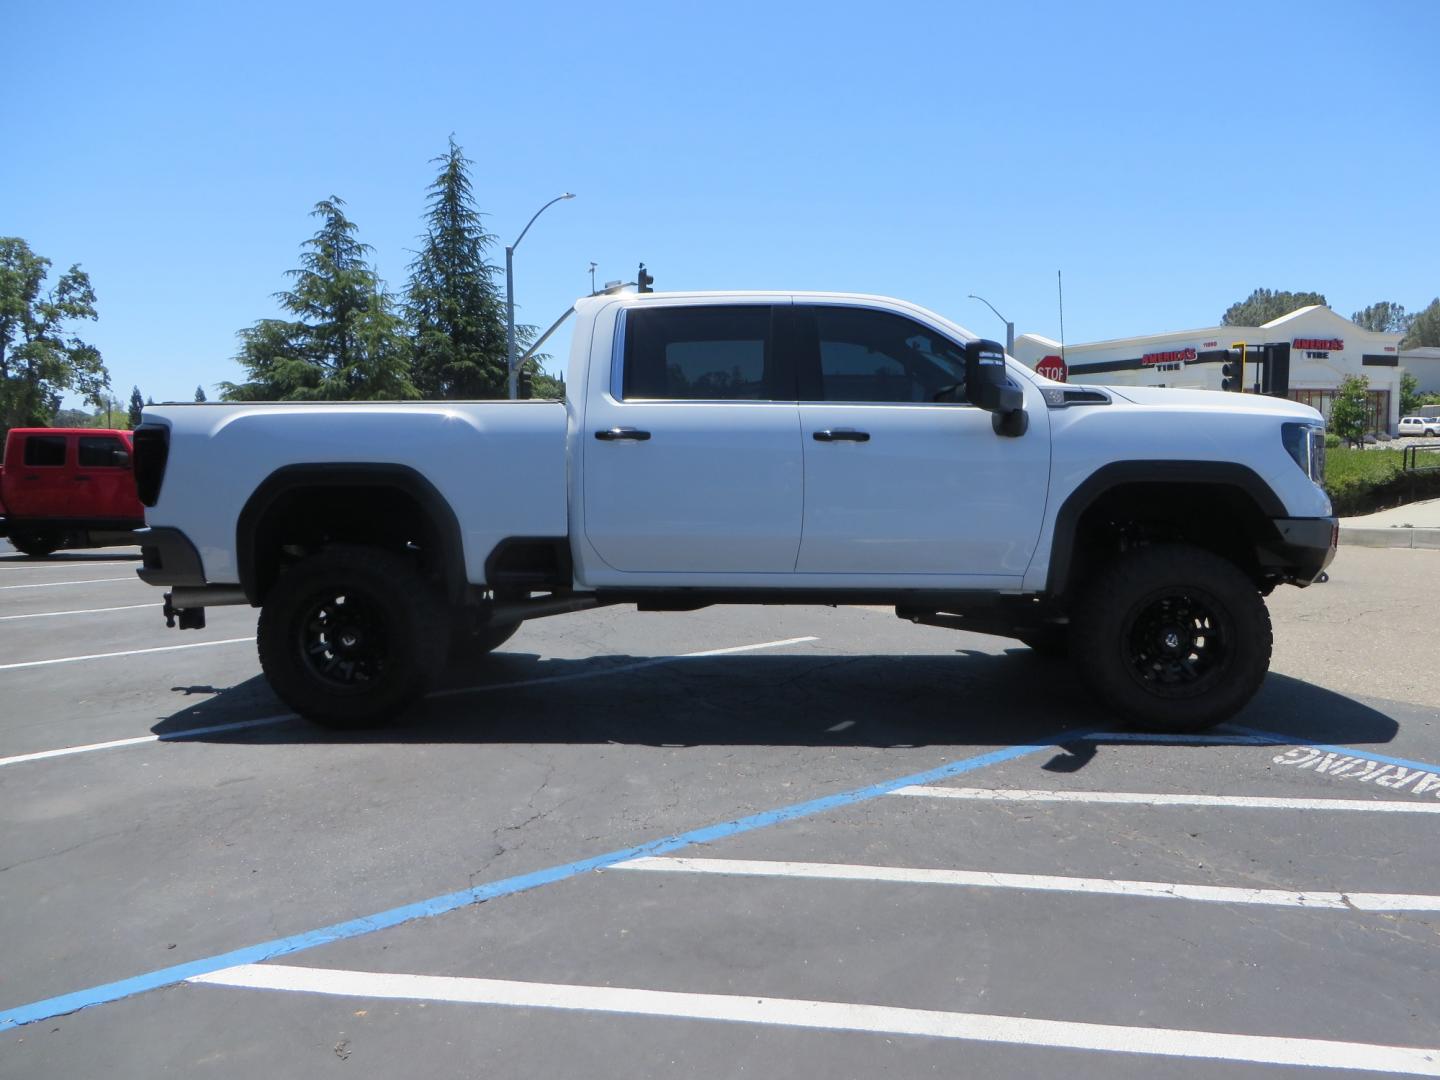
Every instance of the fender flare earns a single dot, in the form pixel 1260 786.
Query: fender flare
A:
pixel 1117 473
pixel 291 478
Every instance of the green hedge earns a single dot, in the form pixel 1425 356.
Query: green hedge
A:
pixel 1363 481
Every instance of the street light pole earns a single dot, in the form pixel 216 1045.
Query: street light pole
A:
pixel 511 367
pixel 1009 326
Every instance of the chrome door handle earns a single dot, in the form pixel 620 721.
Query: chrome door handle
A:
pixel 842 435
pixel 614 434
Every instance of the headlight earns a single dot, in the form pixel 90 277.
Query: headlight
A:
pixel 1306 444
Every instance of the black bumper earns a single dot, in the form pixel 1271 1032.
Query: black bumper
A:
pixel 167 557
pixel 1301 548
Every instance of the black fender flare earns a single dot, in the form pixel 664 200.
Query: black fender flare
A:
pixel 1117 473
pixel 291 478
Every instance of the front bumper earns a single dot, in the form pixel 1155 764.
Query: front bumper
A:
pixel 167 557
pixel 1300 550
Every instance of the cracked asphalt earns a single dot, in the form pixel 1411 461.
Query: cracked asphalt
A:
pixel 128 859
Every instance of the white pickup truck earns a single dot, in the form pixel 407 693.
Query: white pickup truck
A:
pixel 748 448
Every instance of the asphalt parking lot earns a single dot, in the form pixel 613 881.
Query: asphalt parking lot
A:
pixel 736 842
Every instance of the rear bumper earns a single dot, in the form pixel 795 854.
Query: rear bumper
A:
pixel 1301 549
pixel 167 557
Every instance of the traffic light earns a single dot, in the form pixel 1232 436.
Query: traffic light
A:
pixel 645 279
pixel 1277 369
pixel 1232 372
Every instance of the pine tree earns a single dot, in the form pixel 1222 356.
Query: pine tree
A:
pixel 345 342
pixel 456 315
pixel 200 395
pixel 137 406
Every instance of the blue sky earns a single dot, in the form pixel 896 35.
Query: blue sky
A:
pixel 1168 157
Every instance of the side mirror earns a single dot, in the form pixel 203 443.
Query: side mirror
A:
pixel 988 388
pixel 122 459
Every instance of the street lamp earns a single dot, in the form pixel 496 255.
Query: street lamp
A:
pixel 510 296
pixel 1009 326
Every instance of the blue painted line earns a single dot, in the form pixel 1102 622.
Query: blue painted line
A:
pixel 1291 740
pixel 439 905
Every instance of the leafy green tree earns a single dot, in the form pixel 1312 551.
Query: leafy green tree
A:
pixel 457 318
pixel 137 406
pixel 200 395
pixel 1262 305
pixel 40 358
pixel 345 342
pixel 1424 327
pixel 1383 317
pixel 1409 394
pixel 1349 410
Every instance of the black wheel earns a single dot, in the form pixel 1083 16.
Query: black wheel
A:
pixel 351 636
pixel 1051 642
pixel 467 646
pixel 35 544
pixel 1173 638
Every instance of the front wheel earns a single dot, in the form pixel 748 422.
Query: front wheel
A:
pixel 351 636
pixel 1173 638
pixel 35 544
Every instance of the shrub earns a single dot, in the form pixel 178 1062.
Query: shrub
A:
pixel 1332 441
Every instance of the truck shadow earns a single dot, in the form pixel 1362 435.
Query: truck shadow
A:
pixel 972 698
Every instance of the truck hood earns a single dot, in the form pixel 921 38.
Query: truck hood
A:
pixel 1217 400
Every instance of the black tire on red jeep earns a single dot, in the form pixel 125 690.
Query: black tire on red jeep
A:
pixel 352 636
pixel 1173 638
pixel 35 544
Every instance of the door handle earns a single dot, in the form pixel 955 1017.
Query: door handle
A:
pixel 842 435
pixel 84 478
pixel 615 434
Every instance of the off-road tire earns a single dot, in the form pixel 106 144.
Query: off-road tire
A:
pixel 358 666
pixel 35 544
pixel 1172 638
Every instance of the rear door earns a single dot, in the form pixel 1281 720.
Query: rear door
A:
pixel 44 476
pixel 898 483
pixel 692 460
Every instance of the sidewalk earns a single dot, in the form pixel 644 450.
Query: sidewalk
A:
pixel 1415 525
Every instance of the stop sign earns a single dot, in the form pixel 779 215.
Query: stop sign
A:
pixel 1052 367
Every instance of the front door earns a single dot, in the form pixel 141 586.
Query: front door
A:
pixel 104 486
pixel 692 460
pixel 896 481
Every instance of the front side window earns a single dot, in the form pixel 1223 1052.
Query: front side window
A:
pixel 719 353
pixel 99 451
pixel 879 356
pixel 45 450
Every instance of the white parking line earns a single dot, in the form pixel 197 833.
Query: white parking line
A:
pixel 7 565
pixel 836 1016
pixel 54 584
pixel 82 611
pixel 128 652
pixel 1157 890
pixel 67 751
pixel 1136 798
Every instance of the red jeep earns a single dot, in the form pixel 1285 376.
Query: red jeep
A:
pixel 68 488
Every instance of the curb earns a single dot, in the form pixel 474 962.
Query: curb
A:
pixel 1390 538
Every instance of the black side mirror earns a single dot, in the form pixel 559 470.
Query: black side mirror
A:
pixel 121 458
pixel 988 388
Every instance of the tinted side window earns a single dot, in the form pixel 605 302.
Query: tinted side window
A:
pixel 98 451
pixel 700 353
pixel 878 356
pixel 45 450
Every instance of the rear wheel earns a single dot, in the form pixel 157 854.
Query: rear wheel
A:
pixel 35 544
pixel 351 636
pixel 1173 638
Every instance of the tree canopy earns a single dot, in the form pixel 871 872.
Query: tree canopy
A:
pixel 41 358
pixel 457 319
pixel 1348 412
pixel 345 342
pixel 1263 305
pixel 1424 327
pixel 1382 317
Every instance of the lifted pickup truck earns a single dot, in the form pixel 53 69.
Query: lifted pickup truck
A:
pixel 749 448
pixel 68 488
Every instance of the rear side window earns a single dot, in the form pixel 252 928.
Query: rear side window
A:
pixel 45 450
pixel 99 452
pixel 701 354
pixel 879 356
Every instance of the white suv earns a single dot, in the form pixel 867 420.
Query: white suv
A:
pixel 1419 425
